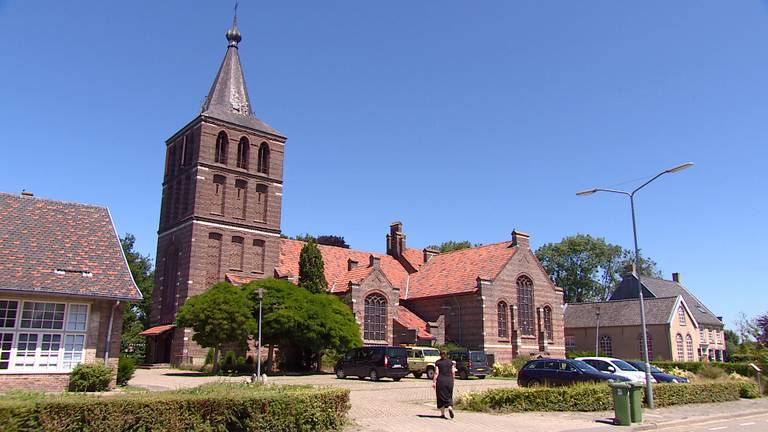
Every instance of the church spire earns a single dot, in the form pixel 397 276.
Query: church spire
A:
pixel 228 98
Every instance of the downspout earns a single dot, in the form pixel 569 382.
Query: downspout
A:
pixel 109 332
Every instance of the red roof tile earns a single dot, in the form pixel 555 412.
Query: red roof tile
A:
pixel 457 272
pixel 154 331
pixel 410 320
pixel 335 263
pixel 62 248
pixel 415 257
pixel 236 279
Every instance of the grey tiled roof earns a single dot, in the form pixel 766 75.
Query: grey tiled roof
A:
pixel 655 287
pixel 619 312
pixel 56 247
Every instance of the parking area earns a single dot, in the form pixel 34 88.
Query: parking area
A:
pixel 408 405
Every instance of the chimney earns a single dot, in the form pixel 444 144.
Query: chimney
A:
pixel 25 193
pixel 395 240
pixel 520 239
pixel 676 277
pixel 351 264
pixel 375 262
pixel 429 253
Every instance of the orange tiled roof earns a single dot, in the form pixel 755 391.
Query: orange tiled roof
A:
pixel 335 263
pixel 457 272
pixel 236 279
pixel 157 330
pixel 414 256
pixel 410 320
pixel 356 275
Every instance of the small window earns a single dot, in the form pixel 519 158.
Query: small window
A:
pixel 681 315
pixel 26 346
pixel 680 348
pixel 49 351
pixel 39 315
pixel 502 320
pixel 606 346
pixel 570 343
pixel 222 141
pixel 650 345
pixel 8 311
pixel 73 351
pixel 689 347
pixel 6 344
pixel 77 316
pixel 263 162
pixel 548 330
pixel 242 153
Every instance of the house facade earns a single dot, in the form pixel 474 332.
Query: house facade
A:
pixel 64 284
pixel 678 325
pixel 220 220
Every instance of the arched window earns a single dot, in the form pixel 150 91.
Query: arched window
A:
pixel 236 254
pixel 525 305
pixel 241 199
pixel 260 205
pixel 242 153
pixel 689 347
pixel 375 325
pixel 222 141
pixel 219 191
pixel 680 348
pixel 548 323
pixel 606 346
pixel 502 319
pixel 263 165
pixel 650 345
pixel 681 315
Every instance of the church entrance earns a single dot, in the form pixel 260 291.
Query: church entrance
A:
pixel 159 343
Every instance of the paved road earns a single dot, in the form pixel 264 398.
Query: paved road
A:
pixel 750 423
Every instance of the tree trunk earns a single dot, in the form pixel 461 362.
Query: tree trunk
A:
pixel 319 356
pixel 270 356
pixel 215 369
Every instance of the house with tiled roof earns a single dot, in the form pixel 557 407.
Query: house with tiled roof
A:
pixel 679 327
pixel 220 220
pixel 64 284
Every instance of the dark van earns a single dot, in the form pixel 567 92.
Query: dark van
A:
pixel 470 363
pixel 374 362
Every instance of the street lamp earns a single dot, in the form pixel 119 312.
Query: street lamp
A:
pixel 631 195
pixel 597 331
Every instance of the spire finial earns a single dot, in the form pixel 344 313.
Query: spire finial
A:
pixel 233 34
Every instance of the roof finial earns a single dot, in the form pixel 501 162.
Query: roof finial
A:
pixel 233 34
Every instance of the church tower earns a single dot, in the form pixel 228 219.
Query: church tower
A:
pixel 220 214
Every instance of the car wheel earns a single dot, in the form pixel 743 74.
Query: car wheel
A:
pixel 340 374
pixel 533 383
pixel 397 379
pixel 481 376
pixel 431 373
pixel 374 375
pixel 417 375
pixel 463 375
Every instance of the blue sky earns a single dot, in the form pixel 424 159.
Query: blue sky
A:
pixel 465 120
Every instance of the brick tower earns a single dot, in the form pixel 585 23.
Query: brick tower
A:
pixel 220 214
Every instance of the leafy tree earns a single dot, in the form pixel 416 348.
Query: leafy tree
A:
pixel 136 317
pixel 451 245
pixel 220 315
pixel 589 268
pixel 747 328
pixel 312 269
pixel 732 342
pixel 762 330
pixel 327 240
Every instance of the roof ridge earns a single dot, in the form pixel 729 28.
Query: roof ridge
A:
pixel 341 248
pixel 472 248
pixel 73 203
pixel 622 300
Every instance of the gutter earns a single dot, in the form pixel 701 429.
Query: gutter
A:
pixel 109 332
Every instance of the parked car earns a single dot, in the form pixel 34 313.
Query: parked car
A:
pixel 421 360
pixel 474 363
pixel 557 372
pixel 615 366
pixel 657 374
pixel 374 362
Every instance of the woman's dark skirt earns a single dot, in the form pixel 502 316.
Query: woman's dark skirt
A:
pixel 444 391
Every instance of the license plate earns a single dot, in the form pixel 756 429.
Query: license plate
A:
pixel 397 366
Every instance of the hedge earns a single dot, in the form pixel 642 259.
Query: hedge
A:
pixel 215 408
pixel 740 368
pixel 597 397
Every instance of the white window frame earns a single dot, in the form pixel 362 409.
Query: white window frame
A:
pixel 42 364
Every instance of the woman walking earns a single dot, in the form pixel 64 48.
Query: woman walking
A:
pixel 443 384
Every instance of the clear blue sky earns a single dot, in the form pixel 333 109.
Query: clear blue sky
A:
pixel 465 120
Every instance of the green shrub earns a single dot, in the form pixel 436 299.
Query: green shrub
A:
pixel 209 357
pixel 90 377
pixel 711 372
pixel 506 370
pixel 575 354
pixel 229 364
pixel 696 367
pixel 597 397
pixel 221 407
pixel 126 366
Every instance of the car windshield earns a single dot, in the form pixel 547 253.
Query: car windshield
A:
pixel 621 364
pixel 584 366
pixel 641 367
pixel 431 352
pixel 396 352
pixel 477 356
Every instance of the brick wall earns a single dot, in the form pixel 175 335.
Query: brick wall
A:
pixel 375 283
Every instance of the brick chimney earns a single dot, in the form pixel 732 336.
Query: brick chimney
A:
pixel 395 240
pixel 27 194
pixel 351 264
pixel 429 253
pixel 676 277
pixel 375 262
pixel 520 239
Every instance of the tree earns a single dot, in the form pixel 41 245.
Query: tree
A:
pixel 136 317
pixel 451 245
pixel 762 330
pixel 327 240
pixel 747 328
pixel 221 315
pixel 312 269
pixel 732 342
pixel 303 324
pixel 589 268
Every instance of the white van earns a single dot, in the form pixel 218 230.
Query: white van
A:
pixel 616 367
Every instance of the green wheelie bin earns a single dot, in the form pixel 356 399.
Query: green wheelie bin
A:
pixel 620 393
pixel 636 401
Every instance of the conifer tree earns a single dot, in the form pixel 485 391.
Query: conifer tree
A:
pixel 311 269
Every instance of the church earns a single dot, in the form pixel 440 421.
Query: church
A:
pixel 220 220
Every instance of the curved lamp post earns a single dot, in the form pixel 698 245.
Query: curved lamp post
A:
pixel 631 195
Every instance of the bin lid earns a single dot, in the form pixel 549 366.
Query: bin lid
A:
pixel 620 385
